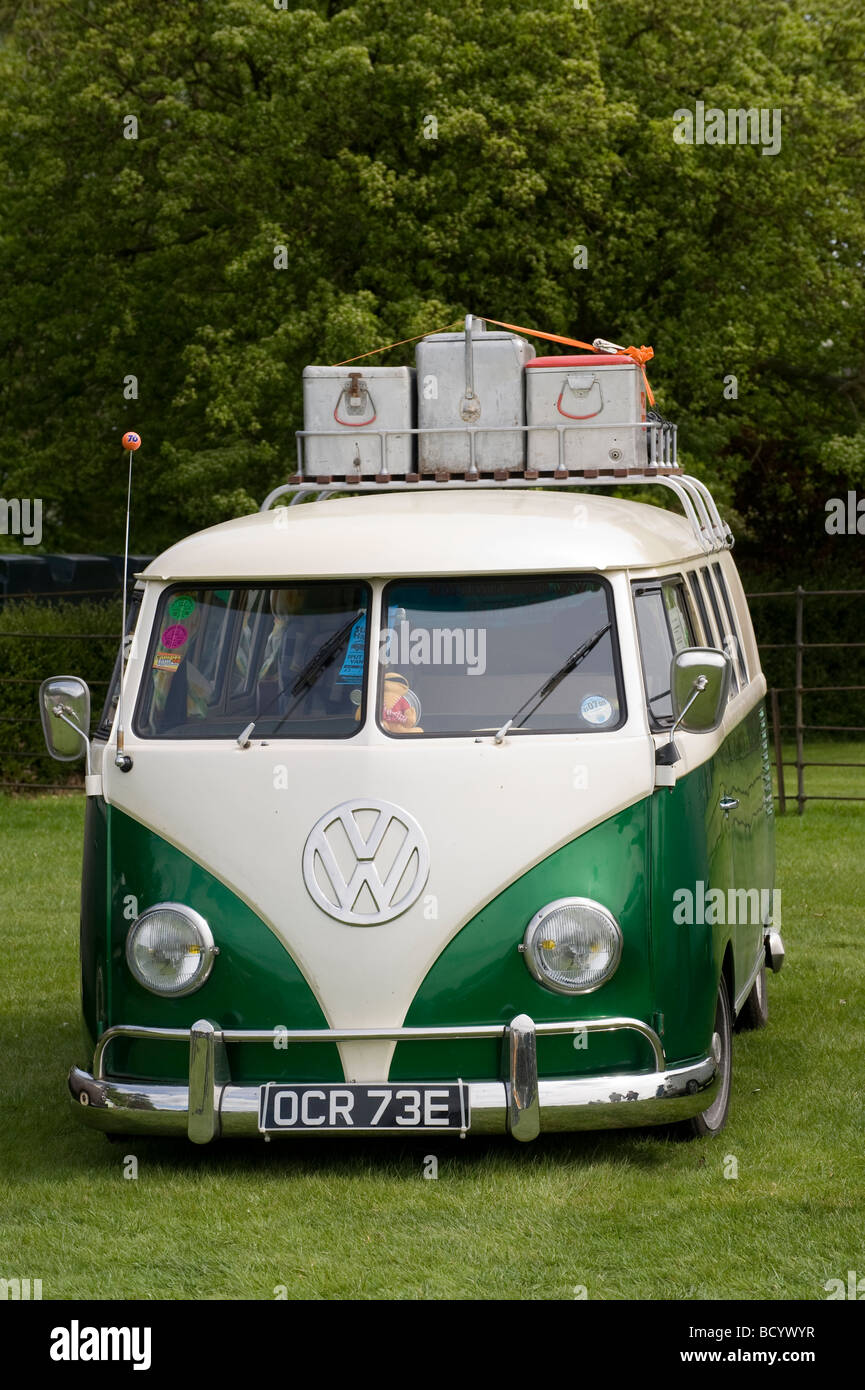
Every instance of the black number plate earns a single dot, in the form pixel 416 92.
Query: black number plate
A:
pixel 362 1107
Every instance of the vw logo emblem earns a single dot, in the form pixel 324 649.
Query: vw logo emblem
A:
pixel 365 862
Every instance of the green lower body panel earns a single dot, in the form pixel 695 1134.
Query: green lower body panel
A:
pixel 257 985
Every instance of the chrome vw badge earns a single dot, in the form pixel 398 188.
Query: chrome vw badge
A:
pixel 365 862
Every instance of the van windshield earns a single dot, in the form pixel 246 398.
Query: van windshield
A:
pixel 460 656
pixel 290 657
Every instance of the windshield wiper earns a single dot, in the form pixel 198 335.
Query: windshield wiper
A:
pixel 309 674
pixel 550 684
pixel 324 656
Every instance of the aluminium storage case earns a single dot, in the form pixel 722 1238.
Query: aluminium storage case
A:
pixel 498 360
pixel 594 405
pixel 347 408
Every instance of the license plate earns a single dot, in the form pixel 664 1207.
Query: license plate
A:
pixel 361 1107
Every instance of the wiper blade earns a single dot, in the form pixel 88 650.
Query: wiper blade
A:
pixel 324 656
pixel 550 684
pixel 309 674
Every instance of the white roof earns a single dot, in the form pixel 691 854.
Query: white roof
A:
pixel 423 533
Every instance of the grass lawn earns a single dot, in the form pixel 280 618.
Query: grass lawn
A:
pixel 628 1215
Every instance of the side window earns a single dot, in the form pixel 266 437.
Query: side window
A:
pixel 664 628
pixel 721 629
pixel 710 606
pixel 700 605
pixel 736 649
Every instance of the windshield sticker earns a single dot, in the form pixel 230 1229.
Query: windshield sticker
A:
pixel 181 607
pixel 351 670
pixel 595 709
pixel 174 637
pixel 167 661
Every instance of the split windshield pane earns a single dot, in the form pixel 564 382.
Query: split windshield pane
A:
pixel 462 656
pixel 291 658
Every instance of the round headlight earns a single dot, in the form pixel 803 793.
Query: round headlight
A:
pixel 572 945
pixel 170 949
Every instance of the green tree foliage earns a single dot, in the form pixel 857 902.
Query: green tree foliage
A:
pixel 417 162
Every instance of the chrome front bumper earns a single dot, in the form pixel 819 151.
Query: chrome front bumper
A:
pixel 211 1107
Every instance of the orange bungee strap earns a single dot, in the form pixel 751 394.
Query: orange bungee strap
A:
pixel 640 355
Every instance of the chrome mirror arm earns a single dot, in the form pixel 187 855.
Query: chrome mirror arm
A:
pixel 697 689
pixel 62 712
pixel 669 754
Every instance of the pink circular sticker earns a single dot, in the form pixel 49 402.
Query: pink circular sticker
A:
pixel 174 637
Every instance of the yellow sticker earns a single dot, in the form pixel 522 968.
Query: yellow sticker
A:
pixel 167 661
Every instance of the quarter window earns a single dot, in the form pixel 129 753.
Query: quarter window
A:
pixel 700 604
pixel 735 644
pixel 726 643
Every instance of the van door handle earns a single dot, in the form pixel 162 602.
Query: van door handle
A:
pixel 728 804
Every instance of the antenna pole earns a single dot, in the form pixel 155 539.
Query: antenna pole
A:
pixel 130 441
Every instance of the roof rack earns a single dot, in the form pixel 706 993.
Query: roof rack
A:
pixel 657 446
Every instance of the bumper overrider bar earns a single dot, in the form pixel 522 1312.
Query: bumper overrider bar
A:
pixel 211 1107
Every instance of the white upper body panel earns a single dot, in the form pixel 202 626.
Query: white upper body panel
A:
pixel 425 533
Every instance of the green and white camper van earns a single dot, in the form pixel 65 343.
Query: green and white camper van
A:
pixel 443 807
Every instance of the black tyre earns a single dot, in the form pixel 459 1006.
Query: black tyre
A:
pixel 713 1119
pixel 754 1013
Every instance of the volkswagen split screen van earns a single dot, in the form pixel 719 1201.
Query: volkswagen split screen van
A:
pixel 439 799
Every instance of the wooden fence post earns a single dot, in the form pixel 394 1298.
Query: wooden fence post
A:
pixel 800 750
pixel 779 752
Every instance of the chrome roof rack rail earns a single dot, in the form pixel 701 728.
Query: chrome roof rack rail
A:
pixel 604 470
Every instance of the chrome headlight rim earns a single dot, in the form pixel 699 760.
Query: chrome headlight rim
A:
pixel 556 986
pixel 209 949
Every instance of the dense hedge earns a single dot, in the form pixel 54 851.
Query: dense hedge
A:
pixel 47 639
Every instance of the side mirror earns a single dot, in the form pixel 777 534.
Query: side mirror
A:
pixel 64 704
pixel 699 684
